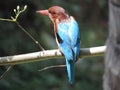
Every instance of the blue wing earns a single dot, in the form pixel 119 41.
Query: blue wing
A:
pixel 68 36
pixel 74 36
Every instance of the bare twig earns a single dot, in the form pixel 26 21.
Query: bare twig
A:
pixel 49 67
pixel 30 36
pixel 14 19
pixel 6 71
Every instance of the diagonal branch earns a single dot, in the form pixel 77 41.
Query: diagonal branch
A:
pixel 49 54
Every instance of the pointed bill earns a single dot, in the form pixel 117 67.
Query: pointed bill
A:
pixel 43 12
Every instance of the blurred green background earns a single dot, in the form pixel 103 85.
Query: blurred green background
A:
pixel 92 16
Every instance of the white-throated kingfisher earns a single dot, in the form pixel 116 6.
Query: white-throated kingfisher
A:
pixel 67 36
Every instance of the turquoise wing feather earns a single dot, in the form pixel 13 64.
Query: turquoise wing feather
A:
pixel 68 36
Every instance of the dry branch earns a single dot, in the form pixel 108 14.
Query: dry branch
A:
pixel 49 54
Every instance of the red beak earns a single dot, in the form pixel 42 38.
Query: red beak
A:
pixel 43 12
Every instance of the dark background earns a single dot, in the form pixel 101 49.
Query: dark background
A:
pixel 92 16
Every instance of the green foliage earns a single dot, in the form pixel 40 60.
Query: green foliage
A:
pixel 92 18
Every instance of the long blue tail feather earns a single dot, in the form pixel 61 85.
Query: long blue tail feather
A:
pixel 70 70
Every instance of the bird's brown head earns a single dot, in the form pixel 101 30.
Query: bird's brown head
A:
pixel 55 12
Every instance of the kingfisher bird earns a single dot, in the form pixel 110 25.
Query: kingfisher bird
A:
pixel 67 36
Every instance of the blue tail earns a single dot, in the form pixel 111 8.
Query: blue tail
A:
pixel 70 70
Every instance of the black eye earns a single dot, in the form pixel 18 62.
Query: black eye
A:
pixel 51 12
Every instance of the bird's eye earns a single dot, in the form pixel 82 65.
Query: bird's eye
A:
pixel 49 11
pixel 52 12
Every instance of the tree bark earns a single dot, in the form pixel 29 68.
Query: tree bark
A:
pixel 112 55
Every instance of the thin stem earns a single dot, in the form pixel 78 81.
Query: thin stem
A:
pixel 8 20
pixel 35 41
pixel 50 67
pixel 6 71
